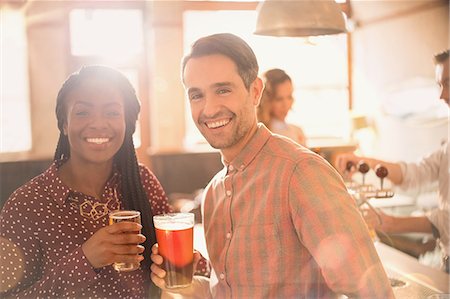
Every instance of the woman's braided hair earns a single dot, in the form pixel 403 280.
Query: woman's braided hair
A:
pixel 134 196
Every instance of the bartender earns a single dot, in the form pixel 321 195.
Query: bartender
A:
pixel 429 169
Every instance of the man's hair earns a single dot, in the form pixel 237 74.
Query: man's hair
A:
pixel 230 46
pixel 441 57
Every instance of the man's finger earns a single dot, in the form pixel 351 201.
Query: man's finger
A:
pixel 158 271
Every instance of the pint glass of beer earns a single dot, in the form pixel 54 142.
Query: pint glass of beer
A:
pixel 175 237
pixel 131 216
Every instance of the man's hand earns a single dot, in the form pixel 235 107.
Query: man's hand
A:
pixel 199 287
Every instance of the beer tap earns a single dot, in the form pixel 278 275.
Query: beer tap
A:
pixel 381 172
pixel 364 168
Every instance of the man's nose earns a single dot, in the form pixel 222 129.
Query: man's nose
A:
pixel 211 106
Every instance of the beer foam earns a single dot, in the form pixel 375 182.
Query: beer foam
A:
pixel 124 215
pixel 173 226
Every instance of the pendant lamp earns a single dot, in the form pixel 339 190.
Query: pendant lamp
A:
pixel 299 18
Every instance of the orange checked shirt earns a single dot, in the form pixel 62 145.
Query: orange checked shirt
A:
pixel 279 223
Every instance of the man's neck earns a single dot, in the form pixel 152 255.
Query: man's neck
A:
pixel 229 154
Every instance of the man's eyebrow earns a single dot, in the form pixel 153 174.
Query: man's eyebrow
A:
pixel 221 84
pixel 214 85
pixel 193 89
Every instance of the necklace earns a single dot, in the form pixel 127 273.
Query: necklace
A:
pixel 93 209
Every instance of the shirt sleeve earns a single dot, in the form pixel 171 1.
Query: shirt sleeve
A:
pixel 439 218
pixel 330 226
pixel 417 176
pixel 21 259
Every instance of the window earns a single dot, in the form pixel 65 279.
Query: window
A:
pixel 14 101
pixel 110 33
pixel 109 36
pixel 319 71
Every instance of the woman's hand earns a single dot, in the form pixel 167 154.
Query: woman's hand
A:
pixel 115 243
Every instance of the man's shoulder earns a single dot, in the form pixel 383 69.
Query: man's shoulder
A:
pixel 279 147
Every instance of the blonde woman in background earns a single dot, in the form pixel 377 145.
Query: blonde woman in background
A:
pixel 276 101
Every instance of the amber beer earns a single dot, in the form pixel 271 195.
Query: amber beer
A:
pixel 175 237
pixel 130 216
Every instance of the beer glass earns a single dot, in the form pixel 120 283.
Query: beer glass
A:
pixel 175 237
pixel 130 216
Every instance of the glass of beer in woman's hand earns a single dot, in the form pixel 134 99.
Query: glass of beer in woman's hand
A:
pixel 175 237
pixel 130 216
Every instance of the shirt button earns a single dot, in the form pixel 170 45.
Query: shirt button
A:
pixel 228 192
pixel 228 236
pixel 222 276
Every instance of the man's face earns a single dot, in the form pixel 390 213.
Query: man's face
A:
pixel 222 108
pixel 442 78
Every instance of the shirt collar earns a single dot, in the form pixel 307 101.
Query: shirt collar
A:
pixel 250 151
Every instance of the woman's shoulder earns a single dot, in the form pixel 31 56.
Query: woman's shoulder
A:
pixel 35 188
pixel 145 172
pixel 147 176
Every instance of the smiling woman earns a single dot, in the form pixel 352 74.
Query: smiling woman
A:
pixel 94 166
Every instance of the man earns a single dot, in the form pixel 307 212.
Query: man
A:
pixel 430 169
pixel 278 220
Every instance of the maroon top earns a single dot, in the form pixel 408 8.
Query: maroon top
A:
pixel 42 227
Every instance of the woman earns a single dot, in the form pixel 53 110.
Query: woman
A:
pixel 276 101
pixel 57 224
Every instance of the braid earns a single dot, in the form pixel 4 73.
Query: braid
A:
pixel 63 148
pixel 134 196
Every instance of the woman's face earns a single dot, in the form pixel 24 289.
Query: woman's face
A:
pixel 95 122
pixel 282 101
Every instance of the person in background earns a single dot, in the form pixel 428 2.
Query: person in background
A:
pixel 56 225
pixel 431 168
pixel 278 220
pixel 276 102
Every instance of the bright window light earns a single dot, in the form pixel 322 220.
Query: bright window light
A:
pixel 317 66
pixel 110 33
pixel 15 127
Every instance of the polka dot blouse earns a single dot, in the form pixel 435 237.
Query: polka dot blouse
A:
pixel 42 227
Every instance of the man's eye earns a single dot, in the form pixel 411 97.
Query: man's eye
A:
pixel 195 96
pixel 223 91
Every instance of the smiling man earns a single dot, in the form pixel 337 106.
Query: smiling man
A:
pixel 278 220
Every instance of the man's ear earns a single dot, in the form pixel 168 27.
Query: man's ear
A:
pixel 256 88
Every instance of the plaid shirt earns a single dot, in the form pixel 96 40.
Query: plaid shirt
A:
pixel 279 223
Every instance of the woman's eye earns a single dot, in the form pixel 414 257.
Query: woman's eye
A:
pixel 81 113
pixel 113 113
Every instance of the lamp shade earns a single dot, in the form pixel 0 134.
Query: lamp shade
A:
pixel 299 18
